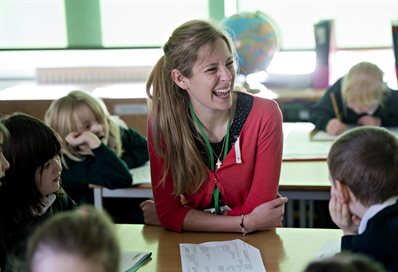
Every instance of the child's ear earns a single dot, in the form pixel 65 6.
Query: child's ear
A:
pixel 179 79
pixel 343 192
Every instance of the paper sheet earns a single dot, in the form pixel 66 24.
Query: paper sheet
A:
pixel 234 255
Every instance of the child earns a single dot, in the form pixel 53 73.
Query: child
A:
pixel 4 164
pixel 97 149
pixel 31 191
pixel 363 165
pixel 80 240
pixel 345 262
pixel 359 98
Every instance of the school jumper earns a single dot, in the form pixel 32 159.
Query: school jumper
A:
pixel 379 240
pixel 15 235
pixel 105 168
pixel 322 111
pixel 248 177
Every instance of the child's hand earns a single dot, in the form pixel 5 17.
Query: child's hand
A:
pixel 335 127
pixel 342 216
pixel 367 120
pixel 85 141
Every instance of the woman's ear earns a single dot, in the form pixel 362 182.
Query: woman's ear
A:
pixel 179 79
pixel 342 192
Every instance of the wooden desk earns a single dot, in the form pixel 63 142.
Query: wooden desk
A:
pixel 303 177
pixel 282 249
pixel 303 181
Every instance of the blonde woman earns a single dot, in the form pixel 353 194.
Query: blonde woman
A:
pixel 215 153
pixel 97 148
pixel 359 98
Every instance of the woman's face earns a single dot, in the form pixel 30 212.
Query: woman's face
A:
pixel 4 164
pixel 48 176
pixel 213 75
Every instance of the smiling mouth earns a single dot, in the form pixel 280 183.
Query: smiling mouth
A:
pixel 222 93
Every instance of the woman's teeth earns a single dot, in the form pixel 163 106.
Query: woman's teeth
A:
pixel 221 93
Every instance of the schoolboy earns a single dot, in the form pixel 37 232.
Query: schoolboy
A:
pixel 363 166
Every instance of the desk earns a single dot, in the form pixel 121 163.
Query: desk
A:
pixel 302 180
pixel 304 174
pixel 282 249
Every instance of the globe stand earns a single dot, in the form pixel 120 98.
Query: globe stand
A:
pixel 241 80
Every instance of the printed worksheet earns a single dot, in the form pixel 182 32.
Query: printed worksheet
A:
pixel 234 255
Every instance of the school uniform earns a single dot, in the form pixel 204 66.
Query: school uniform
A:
pixel 322 111
pixel 107 169
pixel 378 238
pixel 15 235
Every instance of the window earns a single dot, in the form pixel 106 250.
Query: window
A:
pixel 32 24
pixel 358 24
pixel 146 22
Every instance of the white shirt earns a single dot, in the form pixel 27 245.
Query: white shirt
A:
pixel 373 210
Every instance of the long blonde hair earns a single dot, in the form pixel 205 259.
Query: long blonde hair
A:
pixel 364 84
pixel 63 113
pixel 171 122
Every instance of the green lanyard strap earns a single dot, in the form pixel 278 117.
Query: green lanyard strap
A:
pixel 216 192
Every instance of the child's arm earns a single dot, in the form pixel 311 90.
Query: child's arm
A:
pixel 135 148
pixel 342 216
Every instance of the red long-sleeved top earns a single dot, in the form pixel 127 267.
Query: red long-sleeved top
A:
pixel 248 177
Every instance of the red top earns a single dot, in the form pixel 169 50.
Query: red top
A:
pixel 244 182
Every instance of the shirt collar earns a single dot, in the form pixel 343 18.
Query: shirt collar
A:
pixel 373 210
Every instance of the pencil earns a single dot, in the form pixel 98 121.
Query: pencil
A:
pixel 335 108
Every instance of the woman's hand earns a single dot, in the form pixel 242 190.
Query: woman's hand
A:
pixel 267 215
pixel 150 214
pixel 335 127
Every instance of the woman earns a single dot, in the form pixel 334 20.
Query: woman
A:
pixel 215 154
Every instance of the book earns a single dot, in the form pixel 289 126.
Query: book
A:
pixel 131 261
pixel 324 45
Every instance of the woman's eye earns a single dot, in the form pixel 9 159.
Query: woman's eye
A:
pixel 230 63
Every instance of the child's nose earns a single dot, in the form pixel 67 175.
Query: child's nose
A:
pixel 96 128
pixel 4 163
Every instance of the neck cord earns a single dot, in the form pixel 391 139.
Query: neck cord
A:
pixel 216 192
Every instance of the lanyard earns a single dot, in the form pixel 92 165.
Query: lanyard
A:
pixel 216 192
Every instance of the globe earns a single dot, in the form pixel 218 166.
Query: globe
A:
pixel 256 40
